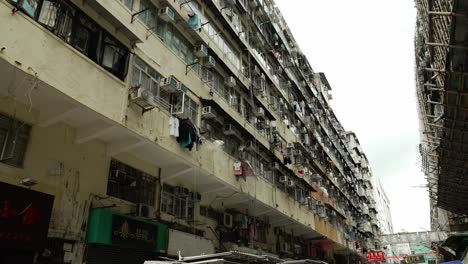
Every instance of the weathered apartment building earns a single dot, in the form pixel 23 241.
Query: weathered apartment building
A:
pixel 138 129
pixel 440 44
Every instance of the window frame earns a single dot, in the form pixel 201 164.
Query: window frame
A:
pixel 8 142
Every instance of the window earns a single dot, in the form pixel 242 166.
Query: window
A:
pixel 145 77
pixel 191 110
pixel 130 184
pixel 28 6
pixel 175 41
pixel 80 31
pixel 128 3
pixel 180 206
pixel 149 17
pixel 114 56
pixel 14 136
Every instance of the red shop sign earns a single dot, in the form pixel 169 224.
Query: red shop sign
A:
pixel 24 217
pixel 375 256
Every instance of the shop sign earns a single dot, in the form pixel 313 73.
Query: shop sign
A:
pixel 375 256
pixel 129 232
pixel 415 259
pixel 24 217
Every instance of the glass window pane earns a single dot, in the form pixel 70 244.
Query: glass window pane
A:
pixel 30 7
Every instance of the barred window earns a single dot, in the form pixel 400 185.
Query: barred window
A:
pixel 173 203
pixel 14 137
pixel 191 110
pixel 130 184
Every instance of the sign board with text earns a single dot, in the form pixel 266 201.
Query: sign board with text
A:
pixel 24 217
pixel 107 227
pixel 375 256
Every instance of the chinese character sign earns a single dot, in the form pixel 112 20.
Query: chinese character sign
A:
pixel 375 256
pixel 24 217
pixel 126 231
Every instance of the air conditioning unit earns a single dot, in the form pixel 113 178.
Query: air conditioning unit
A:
pixel 289 145
pixel 142 97
pixel 304 200
pixel 297 152
pixel 260 112
pixel 253 3
pixel 208 112
pixel 227 220
pixel 256 71
pixel 274 130
pixel 250 145
pixel 230 2
pixel 306 139
pixel 170 84
pixel 230 130
pixel 145 211
pixel 319 203
pixel 167 14
pixel 209 62
pixel 283 179
pixel 276 165
pixel 290 184
pixel 323 214
pixel 278 69
pixel 201 51
pixel 230 81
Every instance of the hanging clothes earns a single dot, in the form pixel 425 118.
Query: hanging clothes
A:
pixel 237 168
pixel 296 106
pixel 194 21
pixel 174 126
pixel 189 134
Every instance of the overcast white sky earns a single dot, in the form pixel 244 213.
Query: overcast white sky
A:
pixel 365 48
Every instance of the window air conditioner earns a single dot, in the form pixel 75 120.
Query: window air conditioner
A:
pixel 276 165
pixel 169 84
pixel 290 184
pixel 289 145
pixel 297 152
pixel 274 130
pixel 230 2
pixel 227 220
pixel 256 71
pixel 230 81
pixel 201 51
pixel 229 130
pixel 167 14
pixel 260 112
pixel 209 62
pixel 145 211
pixel 142 97
pixel 250 145
pixel 208 112
pixel 283 179
pixel 253 3
pixel 278 69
